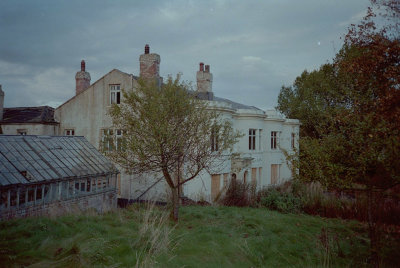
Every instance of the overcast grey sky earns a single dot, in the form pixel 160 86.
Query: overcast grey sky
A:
pixel 254 46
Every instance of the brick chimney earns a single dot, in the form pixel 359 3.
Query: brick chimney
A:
pixel 82 79
pixel 1 103
pixel 204 79
pixel 150 65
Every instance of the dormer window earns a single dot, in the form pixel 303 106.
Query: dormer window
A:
pixel 115 94
pixel 69 132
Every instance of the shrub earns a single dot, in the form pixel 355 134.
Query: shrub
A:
pixel 239 194
pixel 282 201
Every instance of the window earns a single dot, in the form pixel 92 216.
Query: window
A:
pixel 252 139
pixel 254 176
pixel 293 141
pixel 214 140
pixel 275 173
pixel 259 139
pixel 22 132
pixel 112 140
pixel 215 186
pixel 120 142
pixel 274 140
pixel 69 132
pixel 107 140
pixel 115 94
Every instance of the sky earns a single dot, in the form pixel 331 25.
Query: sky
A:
pixel 253 47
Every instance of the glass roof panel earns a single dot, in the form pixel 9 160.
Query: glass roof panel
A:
pixel 46 157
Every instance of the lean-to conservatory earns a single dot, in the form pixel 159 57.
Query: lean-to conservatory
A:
pixel 53 175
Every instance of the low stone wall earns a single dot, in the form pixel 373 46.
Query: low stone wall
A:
pixel 100 201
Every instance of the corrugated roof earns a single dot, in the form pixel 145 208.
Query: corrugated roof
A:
pixel 40 114
pixel 29 159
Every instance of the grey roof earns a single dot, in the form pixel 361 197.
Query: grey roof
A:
pixel 210 96
pixel 35 159
pixel 40 114
pixel 236 105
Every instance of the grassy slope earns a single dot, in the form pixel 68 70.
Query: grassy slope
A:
pixel 204 237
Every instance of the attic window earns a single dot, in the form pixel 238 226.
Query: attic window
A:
pixel 115 94
pixel 22 131
pixel 69 132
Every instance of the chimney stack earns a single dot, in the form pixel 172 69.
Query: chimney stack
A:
pixel 82 79
pixel 150 66
pixel 204 79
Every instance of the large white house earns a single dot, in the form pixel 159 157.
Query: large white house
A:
pixel 257 158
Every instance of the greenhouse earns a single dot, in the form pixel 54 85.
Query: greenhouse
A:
pixel 53 175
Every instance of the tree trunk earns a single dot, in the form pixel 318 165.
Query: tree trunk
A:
pixel 373 228
pixel 175 204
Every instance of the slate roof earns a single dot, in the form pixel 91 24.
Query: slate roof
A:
pixel 210 96
pixel 40 114
pixel 33 159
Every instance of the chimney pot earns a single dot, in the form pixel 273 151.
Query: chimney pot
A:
pixel 207 68
pixel 201 67
pixel 146 49
pixel 82 66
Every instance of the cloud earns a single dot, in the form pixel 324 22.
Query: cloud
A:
pixel 253 46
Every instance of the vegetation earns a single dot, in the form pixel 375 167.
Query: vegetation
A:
pixel 350 114
pixel 169 130
pixel 211 236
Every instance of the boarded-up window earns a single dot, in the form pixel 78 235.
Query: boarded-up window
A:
pixel 245 176
pixel 254 176
pixel 215 185
pixel 275 169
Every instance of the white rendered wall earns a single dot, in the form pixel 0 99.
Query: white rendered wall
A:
pixel 31 129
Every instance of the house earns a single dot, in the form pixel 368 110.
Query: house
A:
pixel 52 175
pixel 259 156
pixel 27 120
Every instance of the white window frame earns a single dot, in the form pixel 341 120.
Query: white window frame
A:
pixel 119 135
pixel 69 132
pixel 252 139
pixel 112 139
pixel 115 93
pixel 107 139
pixel 275 140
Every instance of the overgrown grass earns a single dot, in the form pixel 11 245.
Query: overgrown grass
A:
pixel 204 237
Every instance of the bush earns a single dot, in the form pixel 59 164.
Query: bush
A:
pixel 282 201
pixel 239 194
